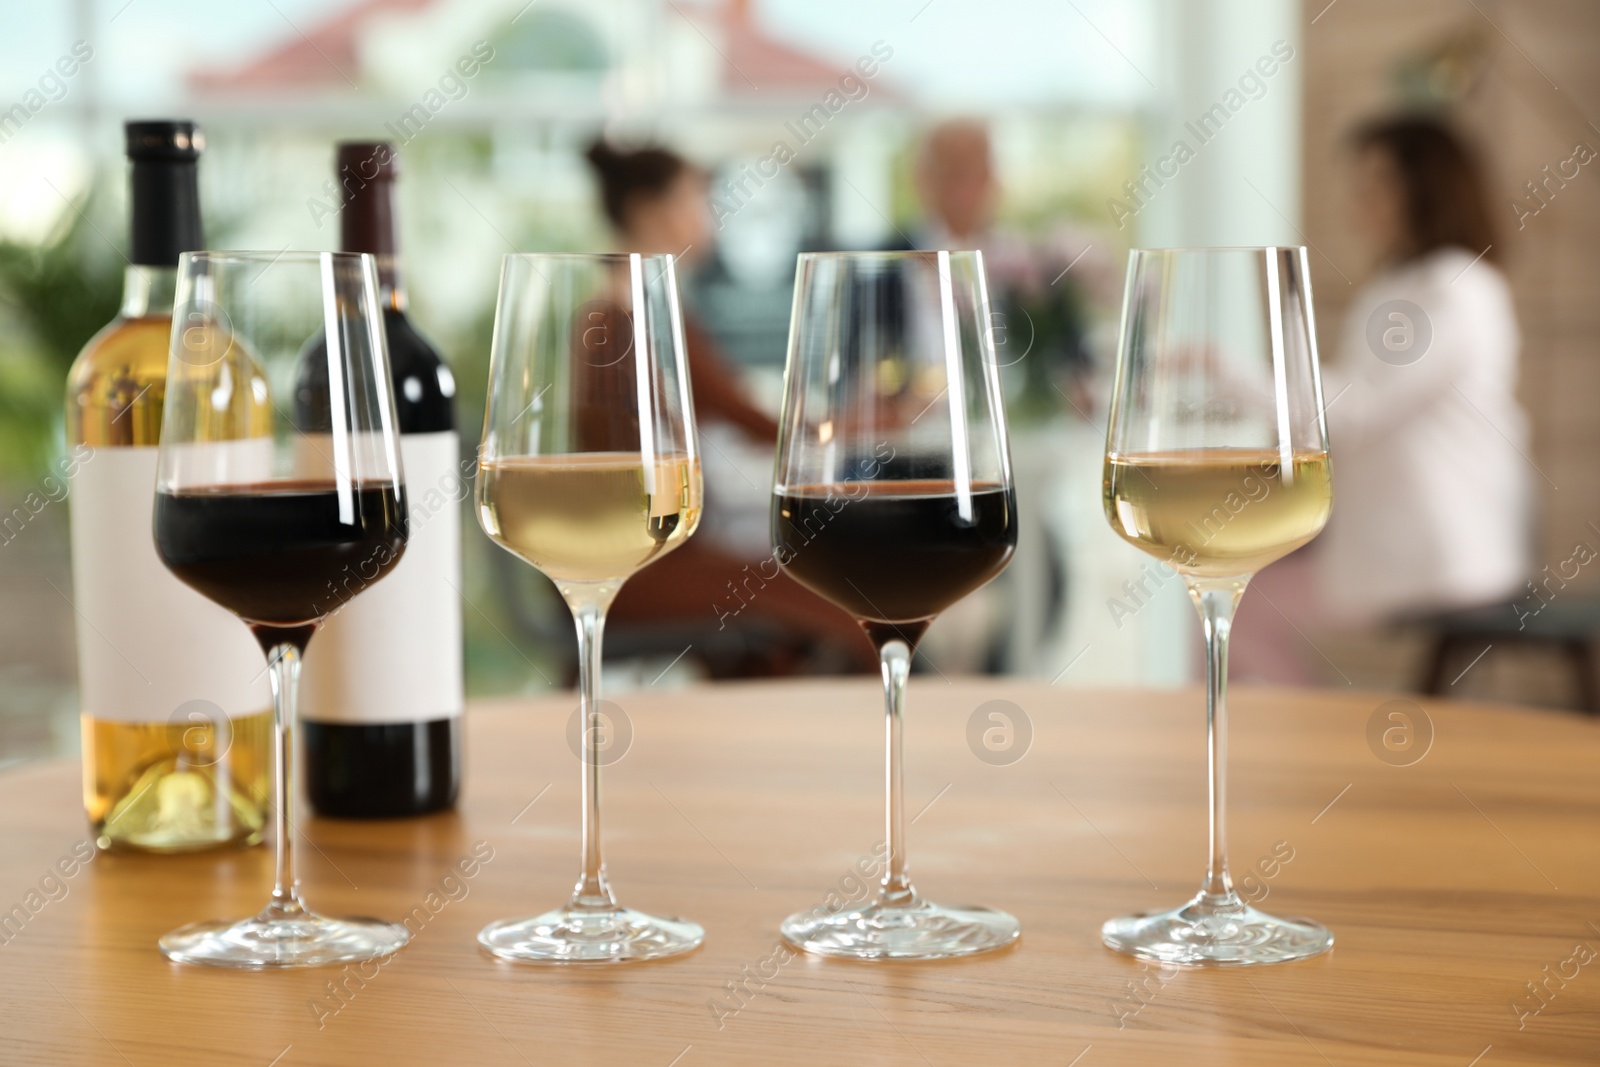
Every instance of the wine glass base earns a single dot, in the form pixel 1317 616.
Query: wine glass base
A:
pixel 920 931
pixel 619 935
pixel 309 941
pixel 1234 936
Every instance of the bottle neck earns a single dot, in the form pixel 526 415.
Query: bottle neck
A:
pixel 164 212
pixel 148 291
pixel 391 293
pixel 367 225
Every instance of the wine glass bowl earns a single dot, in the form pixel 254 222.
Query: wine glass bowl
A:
pixel 1184 506
pixel 588 471
pixel 279 502
pixel 1217 465
pixel 893 499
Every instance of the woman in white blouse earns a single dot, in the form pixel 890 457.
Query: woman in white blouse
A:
pixel 1432 482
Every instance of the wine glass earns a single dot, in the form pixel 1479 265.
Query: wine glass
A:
pixel 588 471
pixel 1217 464
pixel 279 513
pixel 893 499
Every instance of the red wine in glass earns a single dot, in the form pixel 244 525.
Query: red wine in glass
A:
pixel 893 499
pixel 282 521
pixel 281 555
pixel 894 552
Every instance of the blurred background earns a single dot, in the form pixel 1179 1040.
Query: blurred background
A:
pixel 1054 124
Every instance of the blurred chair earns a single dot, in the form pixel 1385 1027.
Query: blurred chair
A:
pixel 1570 626
pixel 751 647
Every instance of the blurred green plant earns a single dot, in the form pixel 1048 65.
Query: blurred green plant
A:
pixel 1053 332
pixel 53 297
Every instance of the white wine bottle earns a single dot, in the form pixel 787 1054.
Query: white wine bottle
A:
pixel 177 728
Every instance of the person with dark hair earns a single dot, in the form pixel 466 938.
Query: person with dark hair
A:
pixel 1433 488
pixel 656 202
pixel 1420 190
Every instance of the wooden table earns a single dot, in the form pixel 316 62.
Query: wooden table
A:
pixel 1450 883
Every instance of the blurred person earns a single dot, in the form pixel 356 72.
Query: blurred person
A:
pixel 1432 492
pixel 656 203
pixel 721 579
pixel 1042 318
pixel 957 184
pixel 1040 302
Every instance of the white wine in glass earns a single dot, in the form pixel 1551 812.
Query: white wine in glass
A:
pixel 590 517
pixel 588 471
pixel 1218 512
pixel 1217 465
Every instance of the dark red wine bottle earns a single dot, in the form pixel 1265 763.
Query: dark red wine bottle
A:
pixel 382 689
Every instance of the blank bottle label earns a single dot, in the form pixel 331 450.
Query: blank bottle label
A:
pixel 392 651
pixel 147 643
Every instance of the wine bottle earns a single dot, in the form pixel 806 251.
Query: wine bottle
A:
pixel 382 690
pixel 176 719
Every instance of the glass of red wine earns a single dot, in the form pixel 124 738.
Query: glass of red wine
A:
pixel 279 496
pixel 893 499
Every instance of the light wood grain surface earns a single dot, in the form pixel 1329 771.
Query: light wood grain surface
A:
pixel 1450 883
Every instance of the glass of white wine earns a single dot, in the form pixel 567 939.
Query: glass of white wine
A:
pixel 1216 465
pixel 588 470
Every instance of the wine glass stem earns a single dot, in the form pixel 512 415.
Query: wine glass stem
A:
pixel 1217 599
pixel 895 657
pixel 283 669
pixel 593 892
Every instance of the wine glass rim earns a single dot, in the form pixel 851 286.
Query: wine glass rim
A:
pixel 1167 249
pixel 597 257
pixel 891 254
pixel 256 255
